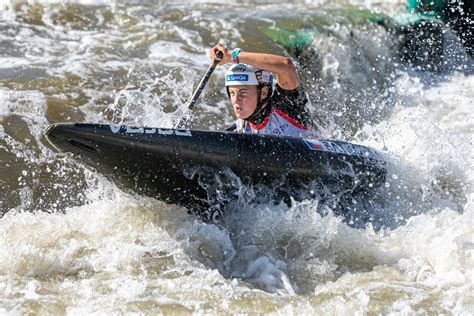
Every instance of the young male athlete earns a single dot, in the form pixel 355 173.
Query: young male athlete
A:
pixel 259 109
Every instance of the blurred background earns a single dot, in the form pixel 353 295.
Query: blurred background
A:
pixel 393 75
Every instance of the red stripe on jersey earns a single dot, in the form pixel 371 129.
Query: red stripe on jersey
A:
pixel 289 119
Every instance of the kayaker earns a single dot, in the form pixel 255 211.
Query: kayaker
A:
pixel 259 109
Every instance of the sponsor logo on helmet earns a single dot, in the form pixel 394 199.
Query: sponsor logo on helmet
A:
pixel 263 77
pixel 235 77
pixel 240 68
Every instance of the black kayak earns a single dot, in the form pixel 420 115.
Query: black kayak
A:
pixel 198 169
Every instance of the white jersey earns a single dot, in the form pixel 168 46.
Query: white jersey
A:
pixel 277 122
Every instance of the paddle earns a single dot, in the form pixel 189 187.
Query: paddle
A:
pixel 202 84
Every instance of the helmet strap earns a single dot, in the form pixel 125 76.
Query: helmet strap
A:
pixel 261 110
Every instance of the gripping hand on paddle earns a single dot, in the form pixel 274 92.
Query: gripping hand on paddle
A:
pixel 226 54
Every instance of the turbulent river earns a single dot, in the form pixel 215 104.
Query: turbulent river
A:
pixel 72 242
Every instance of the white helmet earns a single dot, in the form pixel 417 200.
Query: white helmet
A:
pixel 243 74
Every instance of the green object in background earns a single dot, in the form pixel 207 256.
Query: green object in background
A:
pixel 421 10
pixel 360 16
pixel 290 38
pixel 431 8
pixel 297 36
pixel 408 18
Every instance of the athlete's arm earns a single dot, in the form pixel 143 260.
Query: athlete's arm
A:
pixel 281 66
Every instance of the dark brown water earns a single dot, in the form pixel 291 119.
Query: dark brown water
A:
pixel 71 242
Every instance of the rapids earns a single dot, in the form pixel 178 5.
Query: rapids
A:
pixel 71 242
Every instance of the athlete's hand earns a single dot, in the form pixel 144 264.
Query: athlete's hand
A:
pixel 226 58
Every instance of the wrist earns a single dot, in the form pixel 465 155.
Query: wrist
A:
pixel 234 55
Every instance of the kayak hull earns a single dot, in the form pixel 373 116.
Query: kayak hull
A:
pixel 200 169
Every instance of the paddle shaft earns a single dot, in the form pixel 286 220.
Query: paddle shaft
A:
pixel 201 86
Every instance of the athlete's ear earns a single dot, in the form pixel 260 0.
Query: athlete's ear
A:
pixel 264 93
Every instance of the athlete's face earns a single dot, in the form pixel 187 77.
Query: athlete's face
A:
pixel 244 100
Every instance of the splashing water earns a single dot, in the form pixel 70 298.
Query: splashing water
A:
pixel 74 243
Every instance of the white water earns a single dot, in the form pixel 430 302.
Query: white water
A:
pixel 120 253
